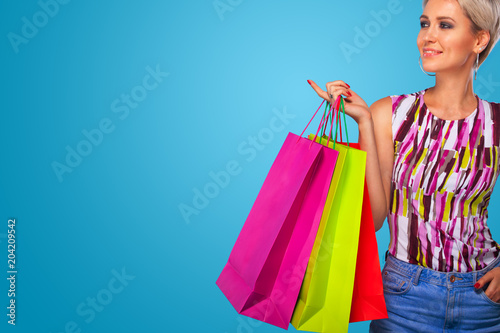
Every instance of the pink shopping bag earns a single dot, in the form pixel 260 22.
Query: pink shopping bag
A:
pixel 264 272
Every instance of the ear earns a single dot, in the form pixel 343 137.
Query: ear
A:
pixel 482 40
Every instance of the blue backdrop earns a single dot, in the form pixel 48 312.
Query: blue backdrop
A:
pixel 117 114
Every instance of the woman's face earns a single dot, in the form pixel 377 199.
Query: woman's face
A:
pixel 445 41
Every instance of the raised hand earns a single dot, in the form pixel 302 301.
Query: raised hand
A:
pixel 355 106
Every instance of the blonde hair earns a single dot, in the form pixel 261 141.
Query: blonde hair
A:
pixel 484 15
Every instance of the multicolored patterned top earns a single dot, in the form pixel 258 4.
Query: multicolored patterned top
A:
pixel 443 176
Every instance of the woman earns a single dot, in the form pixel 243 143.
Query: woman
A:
pixel 432 160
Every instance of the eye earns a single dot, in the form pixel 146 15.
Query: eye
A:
pixel 445 25
pixel 424 24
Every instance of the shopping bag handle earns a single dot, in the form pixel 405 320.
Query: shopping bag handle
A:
pixel 339 122
pixel 322 119
pixel 324 122
pixel 324 127
pixel 334 117
pixel 314 115
pixel 333 113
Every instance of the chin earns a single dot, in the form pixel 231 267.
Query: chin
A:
pixel 430 67
pixel 431 70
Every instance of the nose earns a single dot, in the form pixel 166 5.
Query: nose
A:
pixel 429 35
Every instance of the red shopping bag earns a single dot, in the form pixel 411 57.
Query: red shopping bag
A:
pixel 368 301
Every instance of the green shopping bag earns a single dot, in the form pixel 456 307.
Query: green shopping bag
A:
pixel 324 302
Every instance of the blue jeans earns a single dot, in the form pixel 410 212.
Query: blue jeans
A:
pixel 419 299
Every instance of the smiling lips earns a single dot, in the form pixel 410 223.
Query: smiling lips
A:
pixel 431 52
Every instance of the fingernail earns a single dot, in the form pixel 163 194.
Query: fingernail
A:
pixel 348 85
pixel 308 81
pixel 349 94
pixel 476 285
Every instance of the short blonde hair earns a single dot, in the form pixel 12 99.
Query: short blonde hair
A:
pixel 484 15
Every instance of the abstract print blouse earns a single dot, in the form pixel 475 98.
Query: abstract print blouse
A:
pixel 443 176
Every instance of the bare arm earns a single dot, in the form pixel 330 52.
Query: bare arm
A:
pixel 375 137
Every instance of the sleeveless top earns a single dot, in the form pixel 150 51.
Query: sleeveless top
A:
pixel 443 176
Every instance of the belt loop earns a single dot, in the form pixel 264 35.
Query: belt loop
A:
pixel 417 275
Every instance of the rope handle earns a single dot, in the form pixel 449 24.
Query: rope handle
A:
pixel 339 122
pixel 324 122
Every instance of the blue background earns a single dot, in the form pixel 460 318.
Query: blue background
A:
pixel 117 211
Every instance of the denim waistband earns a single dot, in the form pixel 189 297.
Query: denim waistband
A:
pixel 451 279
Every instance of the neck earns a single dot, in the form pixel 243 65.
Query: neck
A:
pixel 453 91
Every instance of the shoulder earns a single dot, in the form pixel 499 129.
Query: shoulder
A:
pixel 381 113
pixel 391 103
pixel 491 112
pixel 389 112
pixel 382 105
pixel 491 109
pixel 493 105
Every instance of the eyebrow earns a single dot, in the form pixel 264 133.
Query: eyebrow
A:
pixel 439 18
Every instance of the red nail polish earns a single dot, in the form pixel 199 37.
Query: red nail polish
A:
pixel 476 285
pixel 348 86
pixel 308 81
pixel 349 94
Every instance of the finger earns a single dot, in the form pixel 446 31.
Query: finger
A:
pixel 333 95
pixel 353 93
pixel 484 280
pixel 321 93
pixel 492 293
pixel 493 290
pixel 335 91
pixel 338 87
pixel 337 83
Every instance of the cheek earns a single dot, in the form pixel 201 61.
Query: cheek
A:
pixel 459 46
pixel 458 42
pixel 420 40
